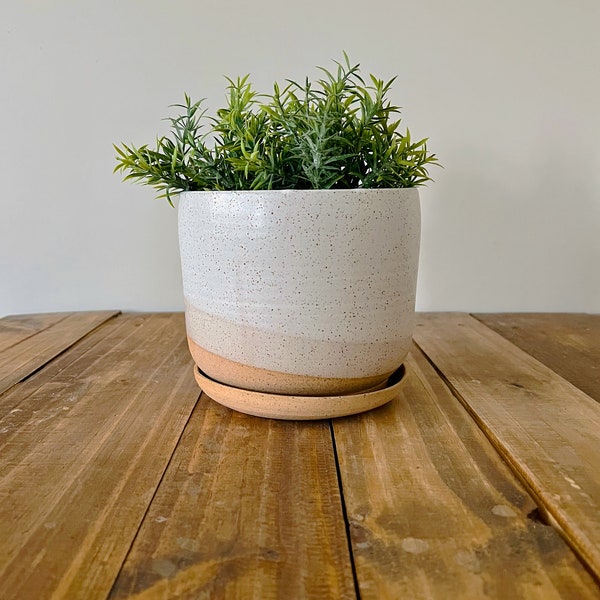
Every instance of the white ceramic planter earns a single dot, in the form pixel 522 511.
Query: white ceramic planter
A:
pixel 305 292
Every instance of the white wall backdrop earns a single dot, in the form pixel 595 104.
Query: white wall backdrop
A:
pixel 508 93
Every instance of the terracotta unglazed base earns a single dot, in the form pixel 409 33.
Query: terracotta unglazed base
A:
pixel 248 377
pixel 280 406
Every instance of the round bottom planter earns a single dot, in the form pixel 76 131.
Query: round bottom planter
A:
pixel 294 407
pixel 302 293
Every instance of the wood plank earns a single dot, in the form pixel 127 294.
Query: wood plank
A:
pixel 435 513
pixel 546 429
pixel 249 509
pixel 34 351
pixel 567 343
pixel 83 452
pixel 16 328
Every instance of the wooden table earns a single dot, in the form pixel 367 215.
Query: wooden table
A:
pixel 118 479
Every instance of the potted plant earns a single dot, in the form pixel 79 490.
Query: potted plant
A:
pixel 299 227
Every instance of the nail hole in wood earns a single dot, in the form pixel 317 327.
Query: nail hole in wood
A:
pixel 538 516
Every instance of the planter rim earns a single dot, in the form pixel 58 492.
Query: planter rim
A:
pixel 310 191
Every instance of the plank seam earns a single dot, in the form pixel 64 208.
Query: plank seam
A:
pixel 567 376
pixel 33 333
pixel 158 485
pixel 59 353
pixel 344 512
pixel 544 507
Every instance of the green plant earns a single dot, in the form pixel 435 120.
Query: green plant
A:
pixel 341 133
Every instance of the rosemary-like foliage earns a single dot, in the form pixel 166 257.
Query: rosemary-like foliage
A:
pixel 339 133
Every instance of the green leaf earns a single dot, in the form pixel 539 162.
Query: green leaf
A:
pixel 338 132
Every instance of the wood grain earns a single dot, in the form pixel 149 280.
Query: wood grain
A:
pixel 16 328
pixel 433 511
pixel 249 508
pixel 114 482
pixel 83 451
pixel 545 428
pixel 49 338
pixel 567 343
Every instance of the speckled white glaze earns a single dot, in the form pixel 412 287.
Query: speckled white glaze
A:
pixel 308 282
